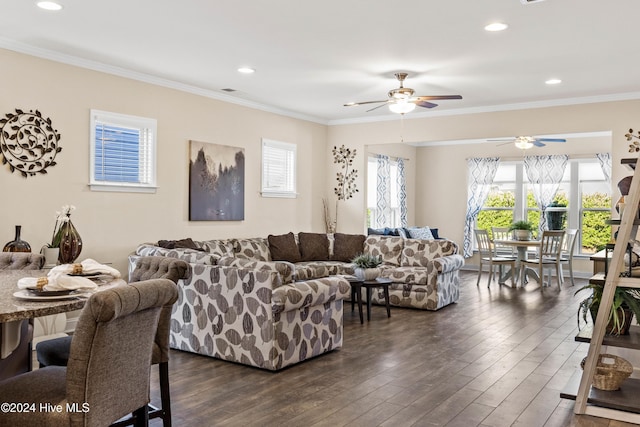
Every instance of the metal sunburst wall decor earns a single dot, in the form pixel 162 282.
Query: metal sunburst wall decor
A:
pixel 28 142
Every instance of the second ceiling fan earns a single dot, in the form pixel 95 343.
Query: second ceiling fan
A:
pixel 401 100
pixel 526 142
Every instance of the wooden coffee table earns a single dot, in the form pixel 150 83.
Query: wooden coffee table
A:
pixel 380 282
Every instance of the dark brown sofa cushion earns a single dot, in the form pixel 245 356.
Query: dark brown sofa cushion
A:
pixel 347 246
pixel 283 247
pixel 314 246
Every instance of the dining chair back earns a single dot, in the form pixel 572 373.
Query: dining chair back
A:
pixel 568 248
pixel 56 351
pixel 502 233
pixel 548 257
pixel 487 256
pixel 108 372
pixel 21 261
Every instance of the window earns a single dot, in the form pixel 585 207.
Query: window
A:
pixel 278 169
pixel 123 153
pixel 584 192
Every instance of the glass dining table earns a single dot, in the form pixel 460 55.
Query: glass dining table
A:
pixel 522 246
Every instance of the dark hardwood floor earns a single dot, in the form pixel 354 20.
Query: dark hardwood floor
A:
pixel 499 357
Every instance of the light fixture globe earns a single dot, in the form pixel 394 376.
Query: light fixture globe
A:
pixel 523 142
pixel 402 107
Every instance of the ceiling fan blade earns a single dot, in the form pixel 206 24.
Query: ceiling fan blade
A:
pixel 501 140
pixel 551 139
pixel 437 97
pixel 504 143
pixel 375 108
pixel 537 143
pixel 425 104
pixel 353 104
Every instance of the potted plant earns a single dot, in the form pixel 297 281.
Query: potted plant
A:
pixel 521 230
pixel 555 219
pixel 366 266
pixel 626 304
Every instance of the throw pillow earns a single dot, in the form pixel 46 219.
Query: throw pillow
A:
pixel 314 246
pixel 347 246
pixel 421 233
pixel 284 247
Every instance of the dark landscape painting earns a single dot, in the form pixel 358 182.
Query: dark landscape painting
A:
pixel 216 182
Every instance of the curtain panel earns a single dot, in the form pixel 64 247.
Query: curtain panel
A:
pixel 605 164
pixel 481 174
pixel 402 193
pixel 383 191
pixel 544 174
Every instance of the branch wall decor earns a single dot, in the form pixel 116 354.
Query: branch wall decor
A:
pixel 28 142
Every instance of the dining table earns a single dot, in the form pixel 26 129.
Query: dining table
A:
pixel 18 307
pixel 522 246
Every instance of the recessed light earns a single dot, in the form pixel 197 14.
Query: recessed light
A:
pixel 496 26
pixel 553 81
pixel 246 70
pixel 49 5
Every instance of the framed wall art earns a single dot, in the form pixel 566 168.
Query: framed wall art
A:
pixel 216 182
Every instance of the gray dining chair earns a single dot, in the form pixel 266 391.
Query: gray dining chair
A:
pixel 568 248
pixel 56 351
pixel 19 360
pixel 107 376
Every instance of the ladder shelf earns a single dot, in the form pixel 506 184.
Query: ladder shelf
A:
pixel 622 404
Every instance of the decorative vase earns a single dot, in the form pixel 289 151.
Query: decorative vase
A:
pixel 366 274
pixel 70 243
pixel 555 220
pixel 17 245
pixel 51 256
pixel 627 316
pixel 521 234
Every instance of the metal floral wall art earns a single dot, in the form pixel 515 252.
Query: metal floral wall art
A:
pixel 346 178
pixel 635 145
pixel 28 142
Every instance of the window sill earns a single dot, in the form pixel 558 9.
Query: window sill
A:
pixel 123 188
pixel 279 195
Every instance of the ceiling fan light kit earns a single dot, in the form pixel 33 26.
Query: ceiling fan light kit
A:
pixel 401 99
pixel 523 143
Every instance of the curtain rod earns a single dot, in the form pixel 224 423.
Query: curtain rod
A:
pixel 391 157
pixel 571 157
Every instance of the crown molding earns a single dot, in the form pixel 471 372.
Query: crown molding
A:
pixel 147 78
pixel 27 49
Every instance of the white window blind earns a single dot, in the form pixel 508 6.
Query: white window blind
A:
pixel 278 169
pixel 122 152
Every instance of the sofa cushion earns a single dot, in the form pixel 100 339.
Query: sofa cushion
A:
pixel 223 247
pixel 410 275
pixel 313 246
pixel 315 269
pixel 284 268
pixel 189 255
pixel 388 248
pixel 310 293
pixel 347 246
pixel 283 247
pixel 256 248
pixel 420 233
pixel 187 243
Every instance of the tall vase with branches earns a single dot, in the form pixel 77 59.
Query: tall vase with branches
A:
pixel 346 186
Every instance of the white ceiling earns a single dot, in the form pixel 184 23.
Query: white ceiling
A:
pixel 313 57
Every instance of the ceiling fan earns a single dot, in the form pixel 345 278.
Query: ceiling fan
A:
pixel 526 142
pixel 401 100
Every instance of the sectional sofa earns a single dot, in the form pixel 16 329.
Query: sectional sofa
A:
pixel 272 302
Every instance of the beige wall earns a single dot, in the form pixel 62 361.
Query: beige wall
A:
pixel 112 224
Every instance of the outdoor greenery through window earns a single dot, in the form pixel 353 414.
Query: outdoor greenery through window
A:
pixel 123 152
pixel 584 196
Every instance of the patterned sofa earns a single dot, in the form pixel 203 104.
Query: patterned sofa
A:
pixel 241 305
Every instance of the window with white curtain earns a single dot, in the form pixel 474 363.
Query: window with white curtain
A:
pixel 122 152
pixel 583 190
pixel 278 169
pixel 394 218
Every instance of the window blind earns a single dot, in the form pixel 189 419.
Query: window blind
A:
pixel 278 169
